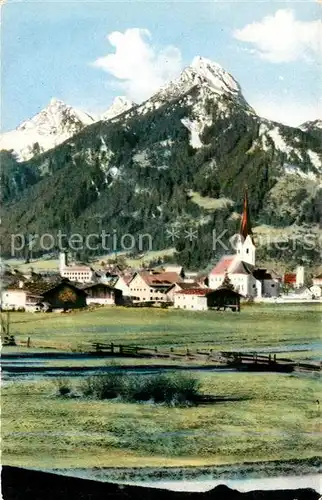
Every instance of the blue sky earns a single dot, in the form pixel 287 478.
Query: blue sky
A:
pixel 49 50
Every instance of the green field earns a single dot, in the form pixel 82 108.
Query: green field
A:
pixel 284 327
pixel 52 264
pixel 275 418
pixel 269 417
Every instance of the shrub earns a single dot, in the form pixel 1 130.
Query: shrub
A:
pixel 107 386
pixel 172 388
pixel 63 386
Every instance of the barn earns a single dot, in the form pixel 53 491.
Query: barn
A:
pixel 202 299
pixel 64 296
pixel 101 293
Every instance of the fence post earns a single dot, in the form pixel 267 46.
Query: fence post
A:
pixel 121 349
pixel 112 348
pixel 155 349
pixel 28 342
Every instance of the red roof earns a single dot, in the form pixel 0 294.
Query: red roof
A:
pixel 290 278
pixel 223 264
pixel 157 279
pixel 125 277
pixel 195 291
pixel 232 265
pixel 77 269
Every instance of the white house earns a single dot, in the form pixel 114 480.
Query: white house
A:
pixel 82 274
pixel 193 299
pixel 17 298
pixel 181 286
pixel 122 283
pixel 317 280
pixel 100 293
pixel 149 286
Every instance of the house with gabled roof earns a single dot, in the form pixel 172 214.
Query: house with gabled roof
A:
pixel 202 299
pixel 150 286
pixel 122 283
pixel 102 293
pixel 180 286
pixel 317 280
pixel 60 295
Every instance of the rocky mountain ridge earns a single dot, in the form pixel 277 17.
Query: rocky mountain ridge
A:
pixel 53 125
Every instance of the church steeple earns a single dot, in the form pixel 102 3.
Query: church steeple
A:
pixel 245 224
pixel 245 248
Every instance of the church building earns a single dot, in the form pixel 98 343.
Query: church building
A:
pixel 247 279
pixel 78 273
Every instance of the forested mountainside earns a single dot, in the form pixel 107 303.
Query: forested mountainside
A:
pixel 180 160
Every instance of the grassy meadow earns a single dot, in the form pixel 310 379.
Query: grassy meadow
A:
pixel 256 327
pixel 269 417
pixel 52 264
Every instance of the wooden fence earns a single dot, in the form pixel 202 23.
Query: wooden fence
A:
pixel 224 358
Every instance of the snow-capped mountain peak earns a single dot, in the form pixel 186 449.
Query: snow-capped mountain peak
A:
pixel 208 76
pixel 57 117
pixel 213 74
pixel 53 125
pixel 119 105
pixel 48 128
pixel 311 125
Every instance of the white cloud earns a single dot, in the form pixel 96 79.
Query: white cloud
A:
pixel 282 38
pixel 286 111
pixel 141 68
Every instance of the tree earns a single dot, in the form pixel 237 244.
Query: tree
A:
pixel 227 283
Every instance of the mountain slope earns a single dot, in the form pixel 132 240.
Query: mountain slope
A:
pixel 137 174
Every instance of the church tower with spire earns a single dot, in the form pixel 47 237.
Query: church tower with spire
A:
pixel 245 248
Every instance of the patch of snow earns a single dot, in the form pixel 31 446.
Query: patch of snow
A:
pixel 194 128
pixel 315 159
pixel 263 128
pixel 114 172
pixel 141 157
pixel 108 155
pixel 166 143
pixel 295 170
pixel 96 188
pixel 279 142
pixel 265 144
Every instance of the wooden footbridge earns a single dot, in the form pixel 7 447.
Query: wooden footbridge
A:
pixel 251 361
